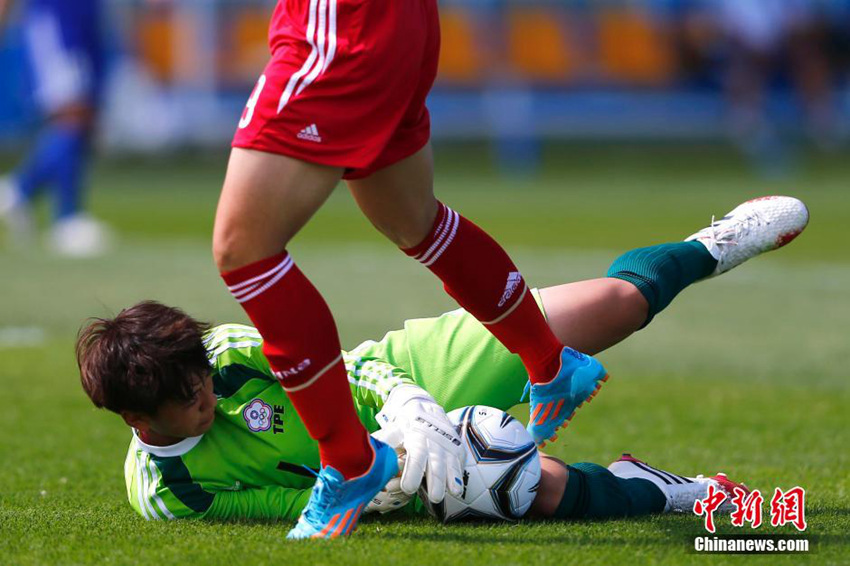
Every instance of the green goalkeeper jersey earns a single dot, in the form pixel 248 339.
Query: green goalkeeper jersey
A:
pixel 257 460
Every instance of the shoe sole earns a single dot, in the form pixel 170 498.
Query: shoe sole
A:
pixel 566 423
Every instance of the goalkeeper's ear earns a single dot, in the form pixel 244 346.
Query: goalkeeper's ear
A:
pixel 137 420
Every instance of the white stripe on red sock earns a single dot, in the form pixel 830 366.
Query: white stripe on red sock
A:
pixel 255 286
pixel 454 222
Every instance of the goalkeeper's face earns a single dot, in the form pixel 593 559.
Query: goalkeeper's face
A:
pixel 182 419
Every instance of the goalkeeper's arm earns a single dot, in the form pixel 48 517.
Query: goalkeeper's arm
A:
pixel 189 501
pixel 373 379
pixel 270 502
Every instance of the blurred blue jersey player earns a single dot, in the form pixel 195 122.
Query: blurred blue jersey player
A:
pixel 65 55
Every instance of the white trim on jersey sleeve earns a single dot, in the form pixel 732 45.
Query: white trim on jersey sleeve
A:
pixel 228 337
pixel 225 332
pixel 155 480
pixel 214 354
pixel 142 480
pixel 138 481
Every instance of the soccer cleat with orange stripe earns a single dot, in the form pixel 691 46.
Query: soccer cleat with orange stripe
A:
pixel 554 404
pixel 335 504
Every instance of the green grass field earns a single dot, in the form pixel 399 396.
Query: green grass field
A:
pixel 744 374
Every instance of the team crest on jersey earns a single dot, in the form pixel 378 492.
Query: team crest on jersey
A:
pixel 258 416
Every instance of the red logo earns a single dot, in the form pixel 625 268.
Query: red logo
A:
pixel 714 499
pixel 786 507
pixel 747 508
pixel 789 507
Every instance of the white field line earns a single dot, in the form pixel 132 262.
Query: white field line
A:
pixel 21 336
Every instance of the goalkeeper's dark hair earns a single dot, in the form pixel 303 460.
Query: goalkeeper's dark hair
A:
pixel 149 354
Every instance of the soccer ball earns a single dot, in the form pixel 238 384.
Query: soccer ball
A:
pixel 502 470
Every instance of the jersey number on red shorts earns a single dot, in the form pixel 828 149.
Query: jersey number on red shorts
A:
pixel 248 113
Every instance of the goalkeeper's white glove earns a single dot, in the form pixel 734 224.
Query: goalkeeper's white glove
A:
pixel 433 446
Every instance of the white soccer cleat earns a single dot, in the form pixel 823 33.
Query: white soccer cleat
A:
pixel 681 491
pixel 80 236
pixel 16 214
pixel 755 227
pixel 8 196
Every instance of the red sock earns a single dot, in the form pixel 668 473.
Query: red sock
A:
pixel 481 277
pixel 301 343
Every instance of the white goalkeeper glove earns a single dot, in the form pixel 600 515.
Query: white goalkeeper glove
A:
pixel 433 446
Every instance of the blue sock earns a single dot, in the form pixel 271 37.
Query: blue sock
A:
pixel 662 272
pixel 59 159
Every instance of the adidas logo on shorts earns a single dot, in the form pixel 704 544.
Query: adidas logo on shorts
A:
pixel 310 133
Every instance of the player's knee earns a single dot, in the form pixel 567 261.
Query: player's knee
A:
pixel 231 250
pixel 402 236
pixel 238 241
pixel 406 230
pixel 404 233
pixel 637 289
pixel 223 254
pixel 630 300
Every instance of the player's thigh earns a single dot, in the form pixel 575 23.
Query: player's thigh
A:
pixel 266 199
pixel 399 199
pixel 593 315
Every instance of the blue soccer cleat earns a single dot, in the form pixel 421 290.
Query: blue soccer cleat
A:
pixel 553 404
pixel 335 504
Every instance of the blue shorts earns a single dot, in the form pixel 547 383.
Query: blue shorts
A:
pixel 65 51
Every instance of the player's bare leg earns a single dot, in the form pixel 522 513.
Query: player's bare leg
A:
pixel 596 314
pixel 266 199
pixel 59 161
pixel 553 482
pixel 479 275
pixel 399 200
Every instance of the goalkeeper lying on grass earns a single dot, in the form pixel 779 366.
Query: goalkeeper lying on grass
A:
pixel 214 435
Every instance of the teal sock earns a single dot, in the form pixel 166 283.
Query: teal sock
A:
pixel 593 492
pixel 662 272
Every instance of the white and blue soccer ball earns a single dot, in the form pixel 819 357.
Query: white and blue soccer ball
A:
pixel 502 471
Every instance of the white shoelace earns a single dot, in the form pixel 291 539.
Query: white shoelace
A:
pixel 731 236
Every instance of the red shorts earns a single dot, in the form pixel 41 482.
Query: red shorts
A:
pixel 346 83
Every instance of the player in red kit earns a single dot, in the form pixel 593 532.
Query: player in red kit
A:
pixel 343 97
